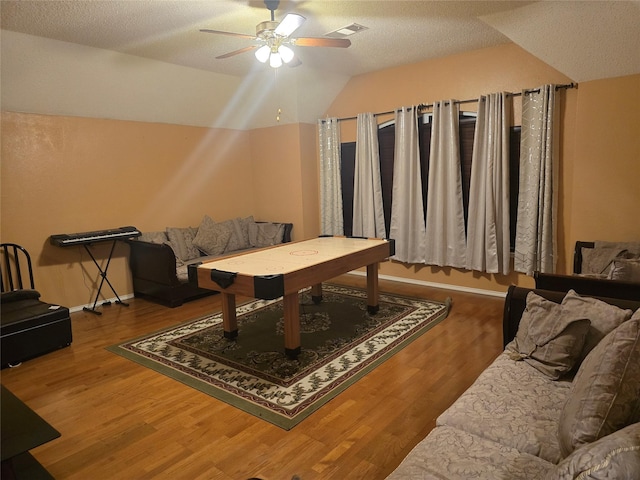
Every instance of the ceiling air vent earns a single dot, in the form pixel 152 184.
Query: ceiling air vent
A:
pixel 346 31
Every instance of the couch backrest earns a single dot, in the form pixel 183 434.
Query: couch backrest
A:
pixel 516 300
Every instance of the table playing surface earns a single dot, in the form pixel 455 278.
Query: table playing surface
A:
pixel 290 257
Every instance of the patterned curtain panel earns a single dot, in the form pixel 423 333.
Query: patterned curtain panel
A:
pixel 446 242
pixel 535 247
pixel 330 177
pixel 488 238
pixel 368 213
pixel 407 212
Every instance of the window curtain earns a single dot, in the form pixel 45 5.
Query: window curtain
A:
pixel 535 244
pixel 368 213
pixel 445 230
pixel 330 177
pixel 407 212
pixel 488 236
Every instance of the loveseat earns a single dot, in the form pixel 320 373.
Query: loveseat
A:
pixel 159 260
pixel 562 401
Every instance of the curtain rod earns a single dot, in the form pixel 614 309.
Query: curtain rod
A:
pixel 425 106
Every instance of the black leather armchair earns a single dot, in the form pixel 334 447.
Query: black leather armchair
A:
pixel 29 327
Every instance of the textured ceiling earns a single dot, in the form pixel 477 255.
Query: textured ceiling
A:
pixel 583 40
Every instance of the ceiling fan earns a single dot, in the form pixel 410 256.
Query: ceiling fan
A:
pixel 274 41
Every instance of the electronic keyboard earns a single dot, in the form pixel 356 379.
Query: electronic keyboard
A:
pixel 83 238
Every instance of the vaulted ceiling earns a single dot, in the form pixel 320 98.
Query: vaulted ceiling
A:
pixel 584 40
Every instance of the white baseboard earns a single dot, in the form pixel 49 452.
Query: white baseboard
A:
pixel 100 302
pixel 446 286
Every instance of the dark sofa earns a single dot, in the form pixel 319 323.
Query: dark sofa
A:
pixel 605 269
pixel 159 264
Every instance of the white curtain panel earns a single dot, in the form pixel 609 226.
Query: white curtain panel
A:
pixel 330 178
pixel 488 238
pixel 535 248
pixel 407 213
pixel 445 231
pixel 368 213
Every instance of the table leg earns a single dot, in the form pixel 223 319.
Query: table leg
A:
pixel 316 293
pixel 229 320
pixel 291 325
pixel 372 288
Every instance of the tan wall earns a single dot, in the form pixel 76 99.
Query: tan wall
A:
pixel 604 174
pixel 600 153
pixel 69 174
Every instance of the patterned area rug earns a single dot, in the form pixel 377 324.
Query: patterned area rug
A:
pixel 341 343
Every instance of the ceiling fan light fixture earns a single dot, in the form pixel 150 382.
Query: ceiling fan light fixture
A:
pixel 275 60
pixel 285 53
pixel 263 53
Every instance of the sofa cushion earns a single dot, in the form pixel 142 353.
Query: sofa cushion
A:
pixel 212 238
pixel 603 317
pixel 615 456
pixel 265 234
pixel 499 405
pixel 605 395
pixel 452 453
pixel 550 337
pixel 181 241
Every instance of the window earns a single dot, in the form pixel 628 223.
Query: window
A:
pixel 386 145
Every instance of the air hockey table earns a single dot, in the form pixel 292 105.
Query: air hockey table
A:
pixel 284 270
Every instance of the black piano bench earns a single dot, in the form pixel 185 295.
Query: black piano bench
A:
pixel 30 328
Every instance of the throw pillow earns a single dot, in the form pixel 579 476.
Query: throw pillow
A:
pixel 181 240
pixel 265 234
pixel 614 456
pixel 598 260
pixel 549 338
pixel 605 394
pixel 626 269
pixel 239 233
pixel 212 237
pixel 603 316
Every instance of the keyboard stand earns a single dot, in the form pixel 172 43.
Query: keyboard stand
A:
pixel 103 274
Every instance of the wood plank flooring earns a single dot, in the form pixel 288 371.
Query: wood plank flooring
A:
pixel 120 420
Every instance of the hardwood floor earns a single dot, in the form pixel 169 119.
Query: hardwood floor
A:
pixel 120 420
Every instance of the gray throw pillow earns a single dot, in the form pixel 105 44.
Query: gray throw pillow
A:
pixel 604 318
pixel 615 456
pixel 265 234
pixel 181 241
pixel 239 228
pixel 605 394
pixel 212 238
pixel 549 338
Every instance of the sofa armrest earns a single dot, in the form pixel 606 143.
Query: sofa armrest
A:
pixel 153 261
pixel 577 255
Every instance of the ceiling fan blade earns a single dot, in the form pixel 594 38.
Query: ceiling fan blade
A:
pixel 230 34
pixel 289 24
pixel 237 52
pixel 321 42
